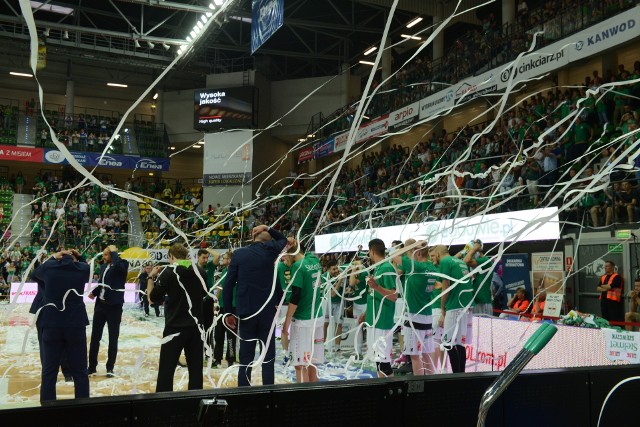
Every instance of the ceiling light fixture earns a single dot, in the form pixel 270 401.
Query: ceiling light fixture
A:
pixel 212 6
pixel 155 96
pixel 370 50
pixel 151 45
pixel 218 2
pixel 66 35
pixel 136 43
pixel 15 73
pixel 415 21
pixel 117 85
pixel 166 46
pixel 367 62
pixel 46 32
pixel 407 36
pixel 204 19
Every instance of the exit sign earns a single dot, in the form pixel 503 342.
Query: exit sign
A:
pixel 623 234
pixel 615 248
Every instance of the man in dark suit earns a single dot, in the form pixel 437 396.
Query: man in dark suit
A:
pixel 257 296
pixel 63 320
pixel 37 303
pixel 109 296
pixel 183 316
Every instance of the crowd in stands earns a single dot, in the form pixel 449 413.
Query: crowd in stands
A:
pixel 78 133
pixel 89 218
pixel 504 171
pixel 8 123
pixel 476 52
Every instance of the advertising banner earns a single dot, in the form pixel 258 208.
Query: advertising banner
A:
pixel 108 160
pixel 305 154
pixel 21 154
pixel 267 16
pixel 377 127
pixel 217 109
pixel 474 87
pixel 323 149
pixel 228 158
pixel 488 228
pixel 622 345
pixel 516 274
pixel 547 270
pixel 436 103
pixel 340 142
pixel 404 117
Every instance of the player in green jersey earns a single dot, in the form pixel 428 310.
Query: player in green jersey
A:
pixel 304 316
pixel 456 297
pixel 481 280
pixel 380 308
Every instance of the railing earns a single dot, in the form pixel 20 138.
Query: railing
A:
pixel 473 54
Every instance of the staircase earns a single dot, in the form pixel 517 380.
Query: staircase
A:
pixel 21 217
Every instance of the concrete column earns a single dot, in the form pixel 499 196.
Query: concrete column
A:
pixel 160 106
pixel 438 41
pixel 70 98
pixel 385 61
pixel 508 12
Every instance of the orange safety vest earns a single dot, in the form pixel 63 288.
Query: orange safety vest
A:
pixel 612 294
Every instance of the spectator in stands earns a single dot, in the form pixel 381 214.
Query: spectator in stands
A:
pixel 518 304
pixel 634 307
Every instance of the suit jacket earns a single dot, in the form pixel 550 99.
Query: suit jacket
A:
pixel 114 275
pixel 59 277
pixel 251 270
pixel 173 282
pixel 39 298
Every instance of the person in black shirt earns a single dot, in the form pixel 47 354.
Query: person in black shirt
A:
pixel 183 316
pixel 142 282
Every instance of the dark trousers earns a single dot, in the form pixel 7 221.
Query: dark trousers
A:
pixel 64 361
pixel 207 320
pixel 189 340
pixel 219 337
pixel 251 330
pixel 145 306
pixel 612 311
pixel 56 341
pixel 111 315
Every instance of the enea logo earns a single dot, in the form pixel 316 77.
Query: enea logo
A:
pixel 54 156
pixel 606 34
pixel 109 161
pixel 148 164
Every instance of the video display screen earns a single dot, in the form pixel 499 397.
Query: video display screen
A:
pixel 223 109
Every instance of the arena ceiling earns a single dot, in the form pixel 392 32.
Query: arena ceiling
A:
pixel 317 38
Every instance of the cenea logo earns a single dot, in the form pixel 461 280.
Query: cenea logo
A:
pixel 109 161
pixel 530 65
pixel 54 156
pixel 148 164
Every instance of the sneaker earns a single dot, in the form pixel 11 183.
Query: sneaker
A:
pixel 91 372
pixel 68 378
pixel 110 373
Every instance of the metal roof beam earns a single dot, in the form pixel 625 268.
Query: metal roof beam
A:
pixel 96 31
pixel 171 5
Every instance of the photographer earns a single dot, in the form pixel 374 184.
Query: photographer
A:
pixel 633 315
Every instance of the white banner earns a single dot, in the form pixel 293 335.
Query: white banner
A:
pixel 622 345
pixel 377 127
pixel 404 116
pixel 492 228
pixel 436 103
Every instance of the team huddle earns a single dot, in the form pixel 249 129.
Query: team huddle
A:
pixel 423 291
